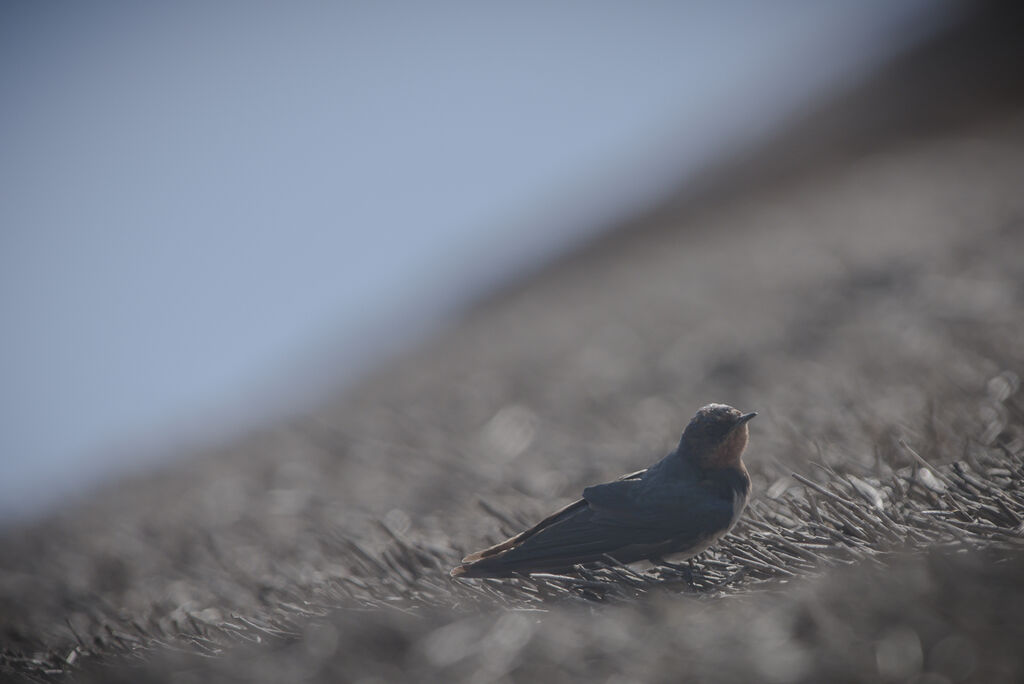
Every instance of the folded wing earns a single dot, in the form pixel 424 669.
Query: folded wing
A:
pixel 625 520
pixel 558 516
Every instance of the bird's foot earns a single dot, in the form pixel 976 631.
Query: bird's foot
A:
pixel 690 572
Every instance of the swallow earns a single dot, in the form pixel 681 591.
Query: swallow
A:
pixel 672 510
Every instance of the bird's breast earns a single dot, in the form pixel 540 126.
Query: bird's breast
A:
pixel 739 502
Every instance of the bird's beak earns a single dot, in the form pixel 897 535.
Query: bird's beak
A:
pixel 742 420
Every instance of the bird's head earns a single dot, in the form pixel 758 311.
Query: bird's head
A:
pixel 716 436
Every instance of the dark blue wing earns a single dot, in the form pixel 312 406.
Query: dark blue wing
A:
pixel 627 520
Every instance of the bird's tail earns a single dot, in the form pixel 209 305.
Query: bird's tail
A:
pixel 486 567
pixel 462 571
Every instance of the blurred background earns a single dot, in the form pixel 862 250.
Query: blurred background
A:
pixel 215 214
pixel 300 303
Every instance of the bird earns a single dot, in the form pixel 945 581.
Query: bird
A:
pixel 671 511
